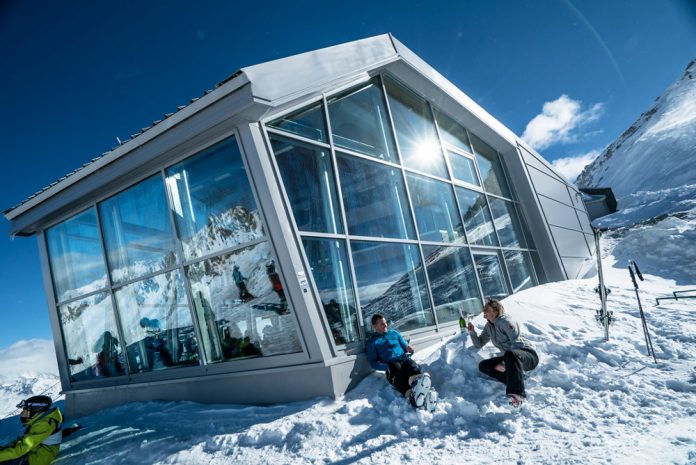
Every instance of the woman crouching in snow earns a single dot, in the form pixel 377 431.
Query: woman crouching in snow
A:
pixel 518 353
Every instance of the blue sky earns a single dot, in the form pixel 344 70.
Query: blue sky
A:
pixel 76 75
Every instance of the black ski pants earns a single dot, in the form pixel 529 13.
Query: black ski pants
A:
pixel 400 371
pixel 516 363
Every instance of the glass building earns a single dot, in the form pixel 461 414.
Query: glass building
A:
pixel 245 241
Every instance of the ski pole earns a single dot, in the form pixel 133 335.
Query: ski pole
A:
pixel 648 341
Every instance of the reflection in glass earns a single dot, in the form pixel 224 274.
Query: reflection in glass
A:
pixel 463 168
pixel 329 263
pixel 240 306
pixel 359 122
pixel 308 122
pixel 452 282
pixel 507 223
pixel 374 208
pixel 491 276
pixel 212 201
pixel 490 168
pixel 436 211
pixel 391 282
pixel 156 323
pixel 91 342
pixel 137 230
pixel 309 182
pixel 477 218
pixel 76 257
pixel 520 268
pixel 452 132
pixel 415 131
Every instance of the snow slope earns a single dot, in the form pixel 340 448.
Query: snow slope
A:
pixel 657 151
pixel 591 401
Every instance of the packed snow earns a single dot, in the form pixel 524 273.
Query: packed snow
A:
pixel 590 400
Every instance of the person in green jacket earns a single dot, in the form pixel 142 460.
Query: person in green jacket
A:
pixel 41 440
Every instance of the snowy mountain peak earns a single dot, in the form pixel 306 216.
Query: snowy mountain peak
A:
pixel 656 152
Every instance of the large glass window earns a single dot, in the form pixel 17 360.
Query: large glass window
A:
pixel 309 182
pixel 138 230
pixel 507 223
pixel 452 132
pixel 359 122
pixel 415 131
pixel 452 282
pixel 329 263
pixel 391 282
pixel 241 307
pixel 490 167
pixel 519 267
pixel 463 168
pixel 91 341
pixel 76 257
pixel 490 275
pixel 436 210
pixel 308 122
pixel 212 201
pixel 477 218
pixel 374 198
pixel 156 323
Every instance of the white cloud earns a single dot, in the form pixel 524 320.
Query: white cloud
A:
pixel 559 121
pixel 31 356
pixel 571 167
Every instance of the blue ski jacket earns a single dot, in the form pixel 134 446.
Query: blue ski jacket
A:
pixel 385 348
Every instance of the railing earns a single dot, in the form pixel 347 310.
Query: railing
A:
pixel 675 296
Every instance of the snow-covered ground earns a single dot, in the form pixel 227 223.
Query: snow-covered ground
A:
pixel 591 401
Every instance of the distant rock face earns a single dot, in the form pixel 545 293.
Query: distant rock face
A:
pixel 658 151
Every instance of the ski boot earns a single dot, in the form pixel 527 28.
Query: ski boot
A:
pixel 431 400
pixel 420 387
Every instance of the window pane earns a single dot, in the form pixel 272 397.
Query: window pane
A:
pixel 240 306
pixel 212 201
pixel 477 218
pixel 391 282
pixel 329 263
pixel 309 182
pixel 452 282
pixel 91 342
pixel 463 168
pixel 491 276
pixel 308 122
pixel 359 122
pixel 76 257
pixel 156 323
pixel 374 198
pixel 137 230
pixel 415 131
pixel 520 268
pixel 490 168
pixel 452 132
pixel 436 211
pixel 536 260
pixel 507 223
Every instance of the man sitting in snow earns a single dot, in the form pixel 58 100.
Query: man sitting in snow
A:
pixel 42 437
pixel 518 354
pixel 388 351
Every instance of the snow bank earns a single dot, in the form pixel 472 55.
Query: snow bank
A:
pixel 591 401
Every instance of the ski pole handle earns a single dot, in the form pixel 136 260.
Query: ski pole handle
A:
pixel 635 265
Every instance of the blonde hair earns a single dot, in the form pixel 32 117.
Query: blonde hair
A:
pixel 496 305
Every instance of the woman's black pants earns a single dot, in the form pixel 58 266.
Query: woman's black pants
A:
pixel 516 363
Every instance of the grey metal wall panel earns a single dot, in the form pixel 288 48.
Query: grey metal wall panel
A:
pixel 573 266
pixel 570 243
pixel 549 186
pixel 559 214
pixel 584 221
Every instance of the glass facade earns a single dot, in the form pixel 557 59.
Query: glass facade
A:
pixel 404 212
pixel 174 271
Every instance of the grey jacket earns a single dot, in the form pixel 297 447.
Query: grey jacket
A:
pixel 503 333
